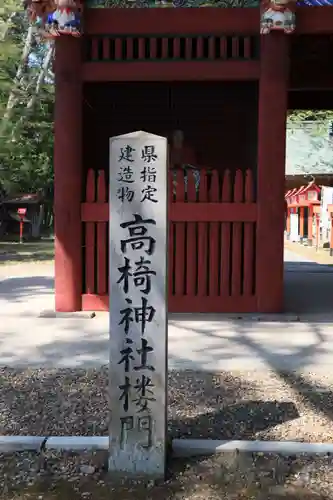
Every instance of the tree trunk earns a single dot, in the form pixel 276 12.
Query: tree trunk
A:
pixel 36 222
pixel 41 77
pixel 13 96
pixel 8 22
pixel 40 80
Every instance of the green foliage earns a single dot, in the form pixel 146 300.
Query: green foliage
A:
pixel 26 158
pixel 26 106
pixel 299 115
pixel 10 52
pixel 26 100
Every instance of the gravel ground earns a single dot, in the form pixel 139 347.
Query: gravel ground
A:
pixel 238 405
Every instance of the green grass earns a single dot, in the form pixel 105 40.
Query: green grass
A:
pixel 12 252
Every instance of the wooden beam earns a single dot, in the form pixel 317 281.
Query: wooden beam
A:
pixel 314 20
pixel 183 212
pixel 183 304
pixel 301 221
pixel 310 99
pixel 171 71
pixel 172 21
pixel 310 20
pixel 304 204
pixel 310 224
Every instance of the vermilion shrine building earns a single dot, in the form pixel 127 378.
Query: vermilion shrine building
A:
pixel 303 211
pixel 209 73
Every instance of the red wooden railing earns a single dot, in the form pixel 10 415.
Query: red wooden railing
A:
pixel 211 242
pixel 96 239
pixel 164 47
pixel 151 45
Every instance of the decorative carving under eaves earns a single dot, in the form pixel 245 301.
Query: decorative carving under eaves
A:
pixel 157 4
pixel 55 17
pixel 277 15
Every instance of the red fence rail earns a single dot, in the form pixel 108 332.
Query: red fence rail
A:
pixel 211 242
pixel 138 48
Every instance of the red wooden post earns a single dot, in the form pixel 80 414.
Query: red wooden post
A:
pixel 226 239
pixel 330 211
pixel 202 239
pixel 310 223
pixel 236 269
pixel 191 243
pixel 317 230
pixel 331 235
pixel 21 213
pixel 68 174
pixel 288 222
pixel 171 260
pixel 102 279
pixel 179 239
pixel 248 239
pixel 273 89
pixel 301 223
pixel 90 236
pixel 213 274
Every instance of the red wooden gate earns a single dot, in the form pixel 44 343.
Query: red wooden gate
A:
pixel 211 243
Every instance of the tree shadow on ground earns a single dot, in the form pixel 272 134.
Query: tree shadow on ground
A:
pixel 314 394
pixel 317 395
pixel 33 257
pixel 31 251
pixel 308 287
pixel 74 402
pixel 249 340
pixel 201 404
pixel 26 296
pixel 243 420
pixel 22 287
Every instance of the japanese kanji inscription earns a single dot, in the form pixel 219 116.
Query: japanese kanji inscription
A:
pixel 138 308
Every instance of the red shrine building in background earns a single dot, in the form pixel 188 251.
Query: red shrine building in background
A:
pixel 224 78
